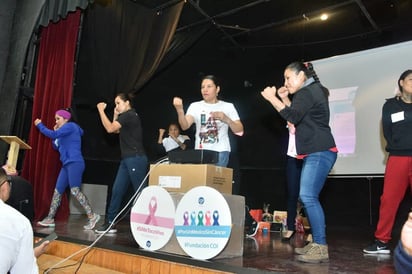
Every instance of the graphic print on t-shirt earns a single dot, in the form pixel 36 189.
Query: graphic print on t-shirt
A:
pixel 208 130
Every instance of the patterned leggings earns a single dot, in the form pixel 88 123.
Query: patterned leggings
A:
pixel 76 192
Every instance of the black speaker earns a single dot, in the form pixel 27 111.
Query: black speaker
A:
pixel 193 156
pixel 21 196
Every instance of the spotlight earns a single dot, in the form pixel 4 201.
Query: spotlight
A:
pixel 324 17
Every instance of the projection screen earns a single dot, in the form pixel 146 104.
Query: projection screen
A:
pixel 359 83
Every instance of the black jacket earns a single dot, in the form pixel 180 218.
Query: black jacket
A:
pixel 309 112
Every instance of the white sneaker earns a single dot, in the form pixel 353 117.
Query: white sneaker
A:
pixel 47 222
pixel 253 229
pixel 92 222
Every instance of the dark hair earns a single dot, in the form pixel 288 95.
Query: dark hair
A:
pixel 3 175
pixel 73 117
pixel 402 77
pixel 212 78
pixel 308 70
pixel 174 124
pixel 126 97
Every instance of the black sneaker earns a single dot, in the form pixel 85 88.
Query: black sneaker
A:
pixel 377 247
pixel 107 228
pixel 253 229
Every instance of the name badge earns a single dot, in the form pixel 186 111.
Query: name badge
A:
pixel 396 117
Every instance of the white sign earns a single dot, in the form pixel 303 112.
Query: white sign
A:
pixel 152 218
pixel 203 222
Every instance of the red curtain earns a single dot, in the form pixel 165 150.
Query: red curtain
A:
pixel 53 90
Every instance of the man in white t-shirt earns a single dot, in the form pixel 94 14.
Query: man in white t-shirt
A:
pixel 16 236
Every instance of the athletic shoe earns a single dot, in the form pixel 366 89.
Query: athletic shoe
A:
pixel 303 250
pixel 316 254
pixel 107 228
pixel 48 222
pixel 253 229
pixel 377 247
pixel 92 221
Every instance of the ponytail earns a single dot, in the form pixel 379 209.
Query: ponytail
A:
pixel 308 70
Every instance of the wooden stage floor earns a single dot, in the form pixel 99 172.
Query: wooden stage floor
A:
pixel 262 253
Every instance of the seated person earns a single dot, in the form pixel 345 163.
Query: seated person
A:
pixel 16 236
pixel 21 196
pixel 175 141
pixel 403 251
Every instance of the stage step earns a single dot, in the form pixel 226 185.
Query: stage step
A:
pixel 45 261
pixel 101 260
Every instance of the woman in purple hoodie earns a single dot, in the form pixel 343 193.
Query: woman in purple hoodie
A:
pixel 66 138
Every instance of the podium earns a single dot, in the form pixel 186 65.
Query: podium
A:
pixel 15 145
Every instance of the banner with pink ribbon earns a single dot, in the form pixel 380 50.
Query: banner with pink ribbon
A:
pixel 152 218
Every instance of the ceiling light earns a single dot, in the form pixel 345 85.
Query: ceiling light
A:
pixel 324 17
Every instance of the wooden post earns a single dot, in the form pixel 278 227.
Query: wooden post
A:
pixel 15 145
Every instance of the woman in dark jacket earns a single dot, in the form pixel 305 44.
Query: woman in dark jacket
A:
pixel 309 113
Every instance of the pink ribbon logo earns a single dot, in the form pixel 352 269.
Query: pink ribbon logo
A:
pixel 151 219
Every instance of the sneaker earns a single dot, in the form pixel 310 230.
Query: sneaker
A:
pixel 107 227
pixel 253 229
pixel 303 250
pixel 377 247
pixel 46 222
pixel 316 254
pixel 92 221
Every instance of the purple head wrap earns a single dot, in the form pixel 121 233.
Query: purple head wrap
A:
pixel 64 113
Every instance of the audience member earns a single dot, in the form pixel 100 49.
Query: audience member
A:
pixel 16 236
pixel 21 197
pixel 403 251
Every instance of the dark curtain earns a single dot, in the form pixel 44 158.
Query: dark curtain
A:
pixel 181 43
pixel 122 44
pixel 53 10
pixel 121 47
pixel 53 90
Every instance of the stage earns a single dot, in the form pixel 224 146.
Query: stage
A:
pixel 262 253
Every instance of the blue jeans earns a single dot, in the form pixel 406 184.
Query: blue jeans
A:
pixel 223 158
pixel 131 170
pixel 315 170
